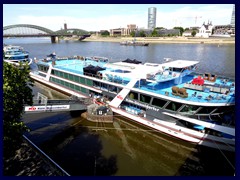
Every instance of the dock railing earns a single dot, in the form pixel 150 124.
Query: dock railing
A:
pixel 54 166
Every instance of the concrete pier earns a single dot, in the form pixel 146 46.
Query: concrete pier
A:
pixel 54 39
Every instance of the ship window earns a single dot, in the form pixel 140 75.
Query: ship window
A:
pixel 54 79
pixel 189 108
pixel 89 82
pixel 70 77
pixel 65 75
pixel 133 95
pixel 104 86
pixel 177 69
pixel 158 102
pixel 71 85
pixel 206 110
pixel 96 84
pixel 61 74
pixel 77 88
pixel 58 81
pixel 76 78
pixel 82 80
pixel 112 88
pixel 173 106
pixel 66 84
pixel 51 79
pixel 53 72
pixel 144 98
pixel 83 90
pixel 56 73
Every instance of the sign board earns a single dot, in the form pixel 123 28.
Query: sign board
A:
pixel 46 108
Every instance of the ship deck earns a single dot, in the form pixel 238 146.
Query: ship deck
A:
pixel 161 88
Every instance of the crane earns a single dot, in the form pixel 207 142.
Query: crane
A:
pixel 195 17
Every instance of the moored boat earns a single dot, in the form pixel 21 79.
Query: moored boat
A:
pixel 169 97
pixel 133 43
pixel 15 55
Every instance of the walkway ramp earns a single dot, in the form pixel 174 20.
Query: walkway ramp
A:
pixel 123 93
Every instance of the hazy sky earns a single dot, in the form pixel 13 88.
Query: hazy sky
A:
pixel 95 17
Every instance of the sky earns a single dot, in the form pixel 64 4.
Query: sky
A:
pixel 96 17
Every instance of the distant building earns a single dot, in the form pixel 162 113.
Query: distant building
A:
pixel 160 32
pixel 123 31
pixel 226 30
pixel 208 29
pixel 132 26
pixel 205 30
pixel 65 26
pixel 167 32
pixel 152 16
pixel 233 17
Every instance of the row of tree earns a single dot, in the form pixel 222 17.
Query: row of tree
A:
pixel 155 32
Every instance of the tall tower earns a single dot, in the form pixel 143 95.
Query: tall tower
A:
pixel 152 15
pixel 65 26
pixel 233 17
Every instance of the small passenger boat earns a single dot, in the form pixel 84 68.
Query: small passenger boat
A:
pixel 15 55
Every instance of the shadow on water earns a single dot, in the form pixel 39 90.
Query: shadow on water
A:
pixel 86 159
pixel 212 162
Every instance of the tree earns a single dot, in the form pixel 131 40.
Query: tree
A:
pixel 142 34
pixel 181 30
pixel 155 33
pixel 105 33
pixel 158 28
pixel 193 33
pixel 133 34
pixel 16 93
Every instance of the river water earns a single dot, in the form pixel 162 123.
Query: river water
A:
pixel 125 148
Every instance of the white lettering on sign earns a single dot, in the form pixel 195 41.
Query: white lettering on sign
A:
pixel 143 105
pixel 43 108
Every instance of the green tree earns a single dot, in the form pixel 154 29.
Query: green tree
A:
pixel 105 33
pixel 16 93
pixel 158 28
pixel 181 30
pixel 132 34
pixel 193 33
pixel 155 33
pixel 142 34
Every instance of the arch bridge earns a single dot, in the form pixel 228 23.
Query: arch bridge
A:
pixel 28 30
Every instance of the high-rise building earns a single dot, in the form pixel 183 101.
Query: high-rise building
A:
pixel 233 17
pixel 65 26
pixel 152 15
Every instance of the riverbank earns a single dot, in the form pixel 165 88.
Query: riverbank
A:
pixel 212 40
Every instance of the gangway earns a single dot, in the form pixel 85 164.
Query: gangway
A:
pixel 123 93
pixel 43 104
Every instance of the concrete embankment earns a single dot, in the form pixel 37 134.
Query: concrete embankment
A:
pixel 212 40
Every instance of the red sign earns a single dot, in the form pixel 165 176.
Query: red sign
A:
pixel 32 108
pixel 120 97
